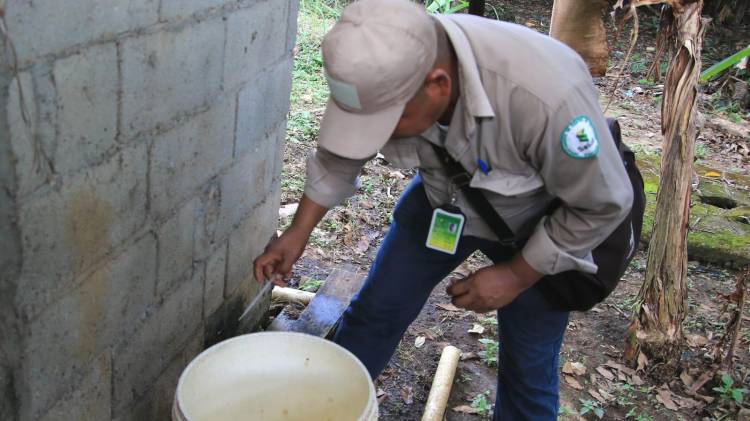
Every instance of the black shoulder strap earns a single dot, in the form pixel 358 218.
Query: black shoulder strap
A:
pixel 461 178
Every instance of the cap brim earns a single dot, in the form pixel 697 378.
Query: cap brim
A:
pixel 357 136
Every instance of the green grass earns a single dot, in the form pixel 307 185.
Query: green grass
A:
pixel 309 87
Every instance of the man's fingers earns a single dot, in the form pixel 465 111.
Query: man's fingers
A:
pixel 258 269
pixel 278 279
pixel 464 300
pixel 260 266
pixel 269 270
pixel 458 287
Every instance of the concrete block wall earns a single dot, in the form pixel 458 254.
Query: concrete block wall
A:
pixel 139 178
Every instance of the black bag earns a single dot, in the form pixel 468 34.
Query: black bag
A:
pixel 572 290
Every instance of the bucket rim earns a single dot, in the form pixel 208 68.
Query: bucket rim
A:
pixel 367 410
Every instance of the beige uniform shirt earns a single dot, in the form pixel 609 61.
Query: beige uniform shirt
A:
pixel 519 93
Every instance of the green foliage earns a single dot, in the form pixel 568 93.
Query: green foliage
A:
pixel 700 150
pixel 564 412
pixel 292 182
pixel 446 6
pixel 310 284
pixel 489 354
pixel 490 323
pixel 639 417
pixel 638 64
pixel 309 87
pixel 588 405
pixel 481 404
pixel 664 66
pixel 729 393
pixel 723 65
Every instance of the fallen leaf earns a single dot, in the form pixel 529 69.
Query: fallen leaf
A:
pixel 447 307
pixel 407 394
pixel 712 174
pixel 578 368
pixel 642 361
pixel 664 396
pixel 477 328
pixel 419 342
pixel 708 399
pixel 362 245
pixel 367 204
pixel 606 395
pixel 619 367
pixel 594 394
pixel 636 380
pixel 688 403
pixel 382 399
pixel 573 383
pixel 468 356
pixel 696 341
pixel 686 378
pixel 703 379
pixel 605 373
pixel 567 368
pixel 397 174
pixel 465 409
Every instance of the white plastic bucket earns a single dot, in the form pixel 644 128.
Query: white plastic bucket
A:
pixel 275 376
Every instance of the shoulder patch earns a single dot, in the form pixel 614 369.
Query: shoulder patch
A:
pixel 579 139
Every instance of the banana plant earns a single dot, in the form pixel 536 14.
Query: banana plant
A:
pixel 728 62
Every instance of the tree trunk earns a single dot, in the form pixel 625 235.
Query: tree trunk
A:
pixel 657 329
pixel 579 24
pixel 663 43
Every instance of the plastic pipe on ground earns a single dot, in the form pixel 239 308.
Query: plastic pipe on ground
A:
pixel 291 294
pixel 442 384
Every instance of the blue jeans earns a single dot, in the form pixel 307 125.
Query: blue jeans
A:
pixel 401 279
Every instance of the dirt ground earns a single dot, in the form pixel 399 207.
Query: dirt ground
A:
pixel 597 384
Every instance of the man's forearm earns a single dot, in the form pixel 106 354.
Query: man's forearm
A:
pixel 307 217
pixel 524 271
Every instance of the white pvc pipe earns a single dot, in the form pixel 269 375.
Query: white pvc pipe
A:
pixel 441 385
pixel 291 294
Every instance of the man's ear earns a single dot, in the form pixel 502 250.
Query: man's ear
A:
pixel 438 83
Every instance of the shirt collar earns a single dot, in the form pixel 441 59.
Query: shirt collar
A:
pixel 472 92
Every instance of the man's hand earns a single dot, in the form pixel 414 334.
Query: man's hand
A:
pixel 275 264
pixel 493 287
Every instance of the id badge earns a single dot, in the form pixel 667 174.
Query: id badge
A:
pixel 445 230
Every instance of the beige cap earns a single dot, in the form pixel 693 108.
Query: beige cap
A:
pixel 375 58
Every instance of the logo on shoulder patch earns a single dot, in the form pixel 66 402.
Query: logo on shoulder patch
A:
pixel 579 139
